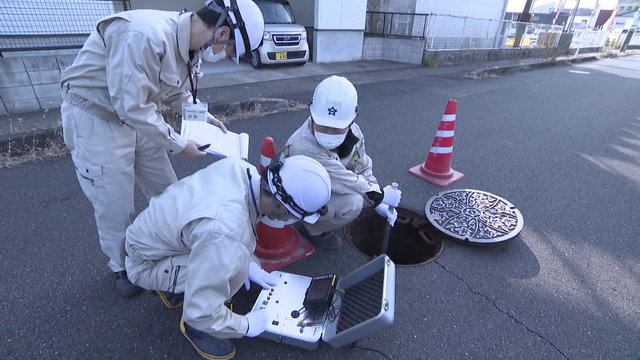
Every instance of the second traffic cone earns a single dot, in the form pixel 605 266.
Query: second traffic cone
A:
pixel 278 244
pixel 437 168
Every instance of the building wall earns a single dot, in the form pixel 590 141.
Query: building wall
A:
pixel 303 10
pixel 338 30
pixel 31 83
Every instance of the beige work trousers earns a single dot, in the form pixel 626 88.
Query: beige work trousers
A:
pixel 167 274
pixel 109 158
pixel 342 210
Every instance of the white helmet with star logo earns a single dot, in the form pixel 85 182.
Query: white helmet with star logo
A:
pixel 334 103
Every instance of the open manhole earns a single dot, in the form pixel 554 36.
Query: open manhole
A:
pixel 412 241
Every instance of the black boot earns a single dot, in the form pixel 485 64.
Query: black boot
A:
pixel 327 240
pixel 124 287
pixel 171 300
pixel 208 346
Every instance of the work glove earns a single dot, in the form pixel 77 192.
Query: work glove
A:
pixel 258 321
pixel 391 216
pixel 391 196
pixel 213 121
pixel 260 277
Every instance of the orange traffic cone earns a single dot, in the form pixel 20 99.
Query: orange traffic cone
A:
pixel 278 244
pixel 437 168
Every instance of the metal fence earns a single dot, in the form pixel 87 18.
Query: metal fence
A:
pixel 589 38
pixel 450 32
pixel 51 24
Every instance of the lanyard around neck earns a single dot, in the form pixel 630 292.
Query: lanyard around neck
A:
pixel 194 90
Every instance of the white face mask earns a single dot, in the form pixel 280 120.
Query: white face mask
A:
pixel 209 56
pixel 328 141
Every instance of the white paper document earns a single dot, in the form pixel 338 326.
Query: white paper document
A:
pixel 223 145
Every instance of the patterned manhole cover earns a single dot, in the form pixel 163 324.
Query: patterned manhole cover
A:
pixel 474 216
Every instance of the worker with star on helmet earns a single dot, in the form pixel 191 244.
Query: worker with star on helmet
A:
pixel 331 137
pixel 194 244
pixel 112 125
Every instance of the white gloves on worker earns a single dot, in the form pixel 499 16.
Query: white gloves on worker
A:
pixel 260 277
pixel 391 196
pixel 257 322
pixel 213 121
pixel 391 216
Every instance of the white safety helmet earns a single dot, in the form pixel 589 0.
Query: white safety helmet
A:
pixel 334 103
pixel 246 21
pixel 301 184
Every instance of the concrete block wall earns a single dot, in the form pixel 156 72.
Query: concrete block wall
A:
pixel 408 51
pixel 31 83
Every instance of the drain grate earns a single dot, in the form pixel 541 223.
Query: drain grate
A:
pixel 413 239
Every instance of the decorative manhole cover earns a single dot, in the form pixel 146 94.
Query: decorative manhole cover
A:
pixel 412 241
pixel 474 216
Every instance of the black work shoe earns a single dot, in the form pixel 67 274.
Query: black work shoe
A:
pixel 208 346
pixel 124 287
pixel 171 300
pixel 327 240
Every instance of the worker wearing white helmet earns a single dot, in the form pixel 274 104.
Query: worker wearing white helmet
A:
pixel 331 137
pixel 112 125
pixel 194 244
pixel 233 44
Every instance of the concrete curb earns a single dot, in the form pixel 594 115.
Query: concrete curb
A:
pixel 21 142
pixel 508 69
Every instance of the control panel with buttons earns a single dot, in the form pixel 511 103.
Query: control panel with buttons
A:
pixel 287 316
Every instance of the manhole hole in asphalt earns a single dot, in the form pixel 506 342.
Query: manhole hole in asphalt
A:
pixel 474 216
pixel 413 239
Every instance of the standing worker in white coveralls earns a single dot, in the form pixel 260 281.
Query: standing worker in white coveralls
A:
pixel 112 126
pixel 331 137
pixel 194 244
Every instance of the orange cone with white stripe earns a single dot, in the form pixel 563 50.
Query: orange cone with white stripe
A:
pixel 437 168
pixel 278 244
pixel 268 152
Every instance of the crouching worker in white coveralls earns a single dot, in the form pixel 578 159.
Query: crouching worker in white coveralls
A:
pixel 331 137
pixel 112 126
pixel 194 244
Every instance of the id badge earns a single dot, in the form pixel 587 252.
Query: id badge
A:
pixel 194 112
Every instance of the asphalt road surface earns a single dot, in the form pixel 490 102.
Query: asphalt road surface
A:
pixel 562 146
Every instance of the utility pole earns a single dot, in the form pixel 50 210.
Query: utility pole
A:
pixel 573 16
pixel 524 17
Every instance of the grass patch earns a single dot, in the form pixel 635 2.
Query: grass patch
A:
pixel 54 146
pixel 430 63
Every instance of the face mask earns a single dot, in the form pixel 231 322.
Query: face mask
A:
pixel 328 141
pixel 209 56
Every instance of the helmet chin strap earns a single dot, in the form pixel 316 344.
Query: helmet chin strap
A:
pixel 224 14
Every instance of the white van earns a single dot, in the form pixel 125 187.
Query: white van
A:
pixel 284 41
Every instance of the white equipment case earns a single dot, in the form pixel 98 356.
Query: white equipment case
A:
pixel 365 299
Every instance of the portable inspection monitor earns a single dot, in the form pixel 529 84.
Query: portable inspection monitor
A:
pixel 303 310
pixel 319 294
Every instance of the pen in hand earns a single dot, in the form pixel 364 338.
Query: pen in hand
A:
pixel 204 147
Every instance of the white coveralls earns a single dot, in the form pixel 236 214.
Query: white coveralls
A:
pixel 111 124
pixel 198 237
pixel 351 177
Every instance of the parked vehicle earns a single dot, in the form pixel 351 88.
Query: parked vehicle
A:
pixel 284 41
